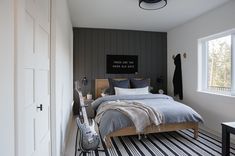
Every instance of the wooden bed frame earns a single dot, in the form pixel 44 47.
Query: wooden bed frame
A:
pixel 101 84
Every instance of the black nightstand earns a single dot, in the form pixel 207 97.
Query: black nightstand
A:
pixel 89 109
pixel 227 128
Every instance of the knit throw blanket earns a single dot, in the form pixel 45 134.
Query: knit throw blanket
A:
pixel 140 114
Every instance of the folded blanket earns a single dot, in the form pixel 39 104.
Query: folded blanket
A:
pixel 140 114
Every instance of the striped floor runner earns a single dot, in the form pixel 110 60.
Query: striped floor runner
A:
pixel 179 143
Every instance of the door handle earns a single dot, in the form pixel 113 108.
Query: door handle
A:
pixel 40 107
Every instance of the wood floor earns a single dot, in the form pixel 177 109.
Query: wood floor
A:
pixel 69 151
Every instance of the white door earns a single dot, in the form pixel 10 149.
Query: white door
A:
pixel 36 58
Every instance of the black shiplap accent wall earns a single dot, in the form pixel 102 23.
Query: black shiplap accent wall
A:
pixel 92 45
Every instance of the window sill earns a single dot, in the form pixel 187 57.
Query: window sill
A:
pixel 226 94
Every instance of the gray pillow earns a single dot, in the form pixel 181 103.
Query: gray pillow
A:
pixel 117 83
pixel 136 83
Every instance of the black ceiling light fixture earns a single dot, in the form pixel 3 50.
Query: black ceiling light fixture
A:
pixel 152 4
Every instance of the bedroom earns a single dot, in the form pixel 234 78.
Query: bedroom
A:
pixel 176 28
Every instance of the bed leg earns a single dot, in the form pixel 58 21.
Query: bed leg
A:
pixel 139 136
pixel 145 136
pixel 108 142
pixel 195 132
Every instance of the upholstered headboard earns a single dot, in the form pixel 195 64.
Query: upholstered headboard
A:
pixel 101 84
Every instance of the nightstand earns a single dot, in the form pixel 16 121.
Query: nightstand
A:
pixel 227 128
pixel 89 109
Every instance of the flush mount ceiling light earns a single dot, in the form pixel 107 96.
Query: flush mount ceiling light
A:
pixel 152 4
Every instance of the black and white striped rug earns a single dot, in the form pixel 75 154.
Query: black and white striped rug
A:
pixel 180 143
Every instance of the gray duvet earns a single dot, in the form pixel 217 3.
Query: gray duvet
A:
pixel 173 111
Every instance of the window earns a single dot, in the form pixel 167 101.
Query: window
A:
pixel 216 63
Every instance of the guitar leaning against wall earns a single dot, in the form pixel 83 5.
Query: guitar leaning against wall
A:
pixel 89 139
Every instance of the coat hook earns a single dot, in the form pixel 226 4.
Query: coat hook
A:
pixel 185 55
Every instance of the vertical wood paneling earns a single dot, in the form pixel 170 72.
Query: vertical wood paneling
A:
pixel 94 61
pixel 156 62
pixel 81 56
pixel 92 45
pixel 75 55
pixel 143 54
pixel 164 56
pixel 107 45
pixel 148 53
pixel 88 58
pixel 102 52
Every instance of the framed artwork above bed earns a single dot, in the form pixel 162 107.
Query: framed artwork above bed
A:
pixel 121 64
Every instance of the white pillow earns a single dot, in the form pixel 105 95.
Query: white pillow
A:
pixel 128 91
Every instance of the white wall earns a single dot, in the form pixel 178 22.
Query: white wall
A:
pixel 183 39
pixel 62 64
pixel 6 78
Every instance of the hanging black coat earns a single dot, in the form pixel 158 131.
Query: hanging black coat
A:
pixel 177 78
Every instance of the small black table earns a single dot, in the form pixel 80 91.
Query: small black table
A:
pixel 227 128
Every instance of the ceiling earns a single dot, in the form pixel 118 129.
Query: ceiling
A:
pixel 126 14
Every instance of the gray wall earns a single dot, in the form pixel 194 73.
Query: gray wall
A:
pixel 92 45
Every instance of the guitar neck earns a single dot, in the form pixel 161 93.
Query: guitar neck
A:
pixel 85 118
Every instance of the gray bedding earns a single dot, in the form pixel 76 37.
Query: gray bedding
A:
pixel 173 111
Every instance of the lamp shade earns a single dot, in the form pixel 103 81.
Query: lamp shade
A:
pixel 152 4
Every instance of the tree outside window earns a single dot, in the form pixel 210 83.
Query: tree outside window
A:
pixel 219 64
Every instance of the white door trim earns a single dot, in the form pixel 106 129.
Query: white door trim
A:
pixel 53 78
pixel 19 98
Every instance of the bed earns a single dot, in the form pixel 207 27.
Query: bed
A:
pixel 114 123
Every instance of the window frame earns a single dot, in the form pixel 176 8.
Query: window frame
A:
pixel 203 63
